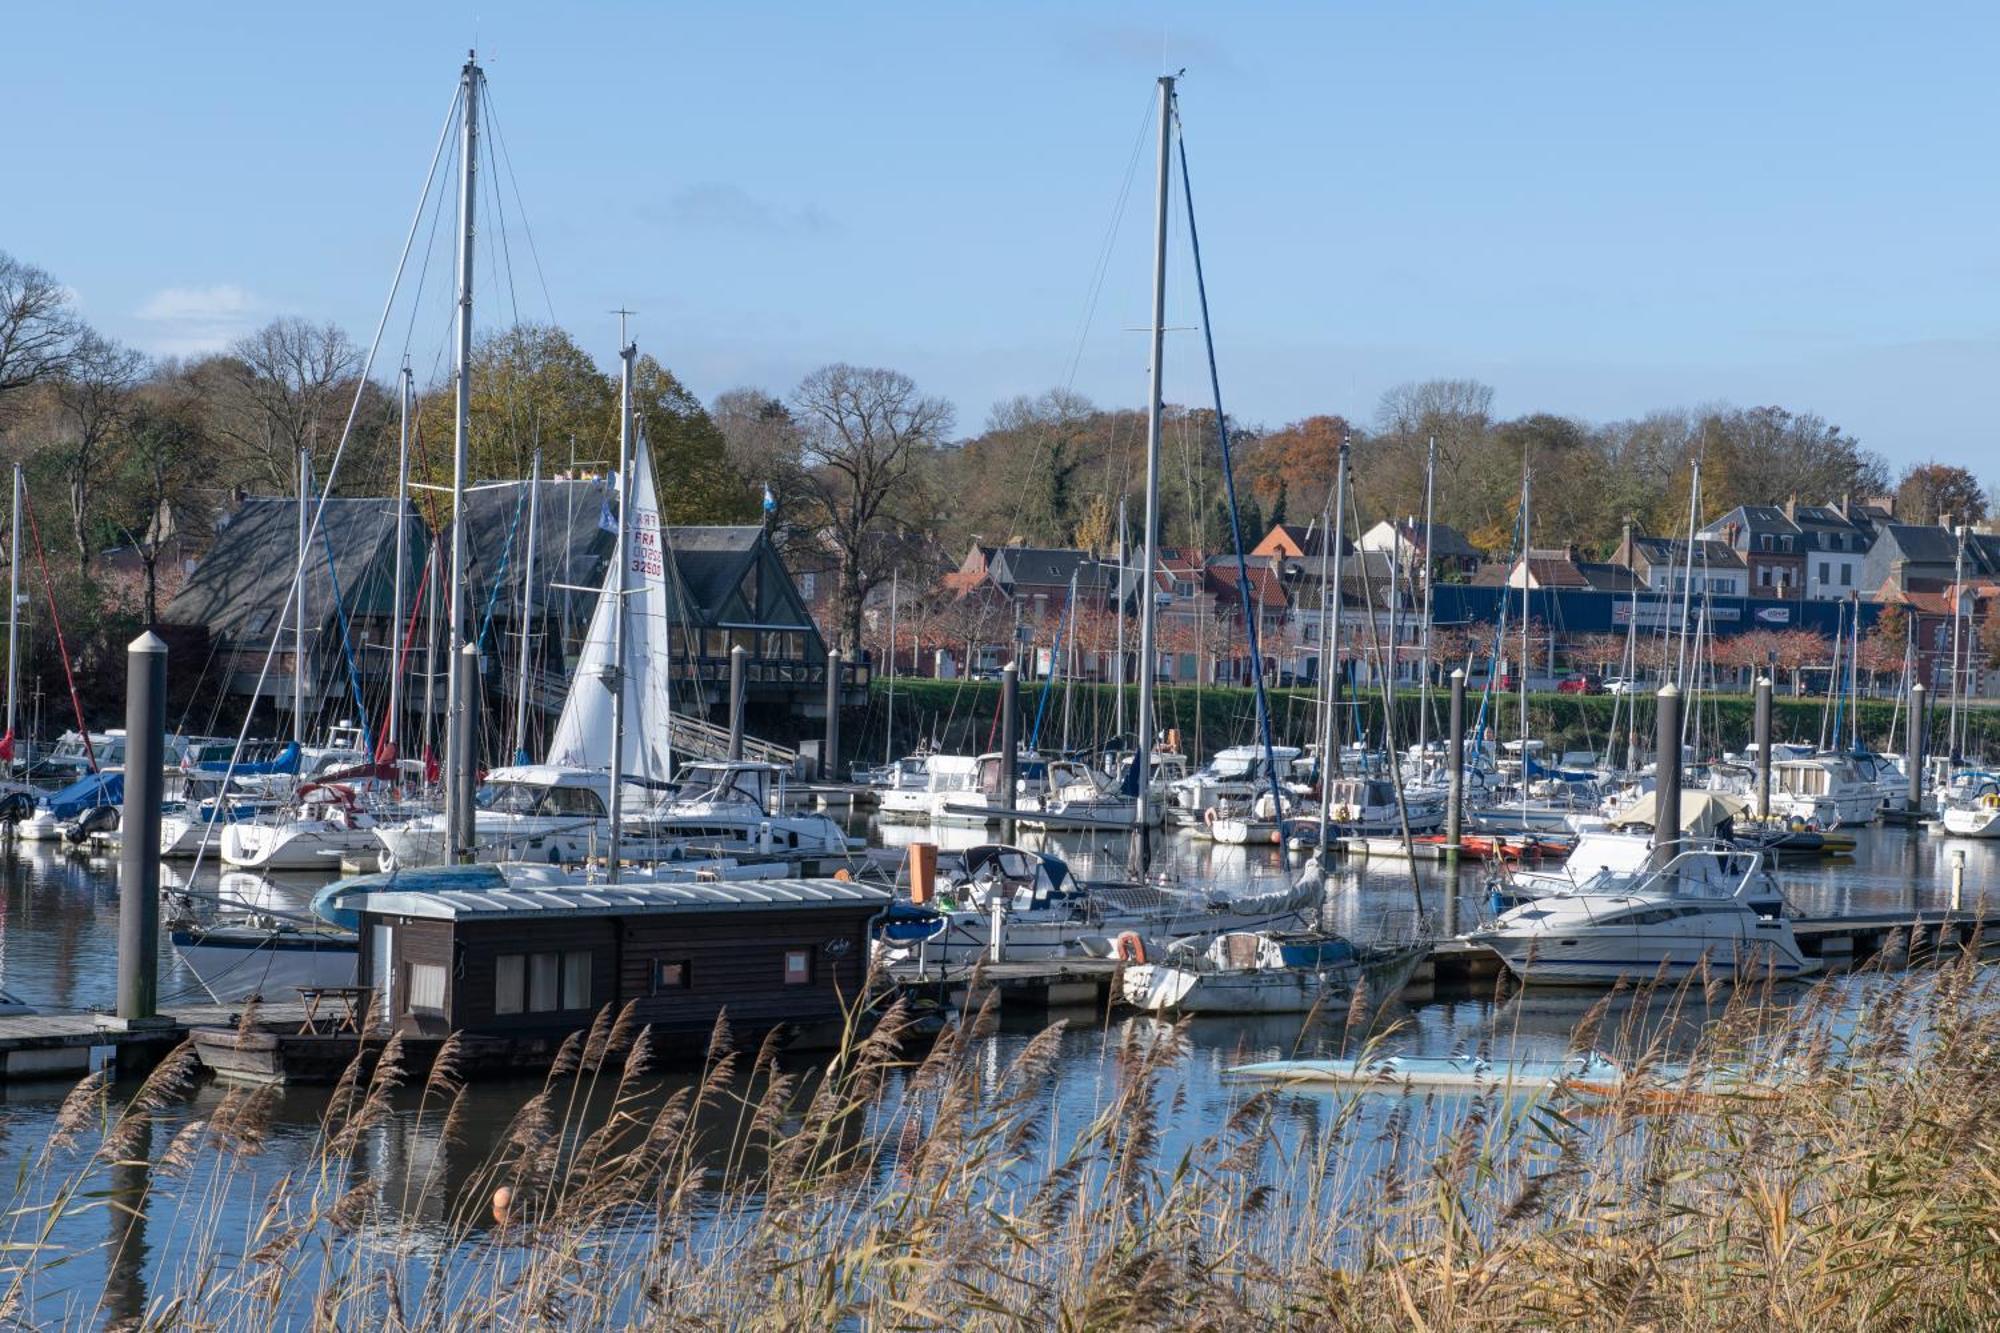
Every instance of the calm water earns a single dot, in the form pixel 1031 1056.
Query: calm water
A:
pixel 58 940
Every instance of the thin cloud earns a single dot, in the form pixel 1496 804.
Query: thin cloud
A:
pixel 188 321
pixel 1162 52
pixel 719 206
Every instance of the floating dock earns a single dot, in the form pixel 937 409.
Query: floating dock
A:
pixel 1454 966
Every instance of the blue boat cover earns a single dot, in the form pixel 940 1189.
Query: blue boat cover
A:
pixel 93 789
pixel 285 761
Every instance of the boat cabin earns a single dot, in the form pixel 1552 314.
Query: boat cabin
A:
pixel 709 784
pixel 527 961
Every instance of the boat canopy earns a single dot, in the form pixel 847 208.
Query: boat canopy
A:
pixel 1703 813
pixel 284 761
pixel 93 789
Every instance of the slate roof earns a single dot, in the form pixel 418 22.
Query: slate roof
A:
pixel 241 586
pixel 1674 550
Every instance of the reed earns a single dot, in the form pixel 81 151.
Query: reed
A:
pixel 1848 1180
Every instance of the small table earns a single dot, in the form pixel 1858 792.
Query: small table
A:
pixel 356 1004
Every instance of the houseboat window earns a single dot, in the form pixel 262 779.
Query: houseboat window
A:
pixel 798 967
pixel 425 992
pixel 576 980
pixel 544 981
pixel 669 975
pixel 510 983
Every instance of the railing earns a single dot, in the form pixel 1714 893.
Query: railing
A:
pixel 694 738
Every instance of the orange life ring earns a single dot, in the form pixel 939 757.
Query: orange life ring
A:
pixel 1128 947
pixel 1208 816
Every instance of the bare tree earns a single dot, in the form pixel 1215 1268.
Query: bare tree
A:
pixel 292 382
pixel 91 399
pixel 38 325
pixel 862 433
pixel 164 449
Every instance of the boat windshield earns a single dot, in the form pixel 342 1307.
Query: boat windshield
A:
pixel 1228 767
pixel 721 785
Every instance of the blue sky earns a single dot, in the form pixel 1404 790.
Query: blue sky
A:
pixel 1597 208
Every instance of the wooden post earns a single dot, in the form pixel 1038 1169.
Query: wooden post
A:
pixel 923 872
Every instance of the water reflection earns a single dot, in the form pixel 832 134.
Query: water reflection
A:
pixel 58 932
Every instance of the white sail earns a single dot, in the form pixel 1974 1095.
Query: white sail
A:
pixel 583 734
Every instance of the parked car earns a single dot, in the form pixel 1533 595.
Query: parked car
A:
pixel 1577 685
pixel 1620 685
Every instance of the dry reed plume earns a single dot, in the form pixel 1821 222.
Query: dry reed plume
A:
pixel 1857 1187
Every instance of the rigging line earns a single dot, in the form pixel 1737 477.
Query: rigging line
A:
pixel 500 218
pixel 55 618
pixel 1235 521
pixel 1110 242
pixel 346 644
pixel 520 209
pixel 430 246
pixel 346 432
pixel 500 572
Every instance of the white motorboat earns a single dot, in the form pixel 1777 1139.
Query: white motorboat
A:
pixel 1824 790
pixel 1045 912
pixel 1236 774
pixel 1259 972
pixel 899 788
pixel 1672 921
pixel 947 777
pixel 328 823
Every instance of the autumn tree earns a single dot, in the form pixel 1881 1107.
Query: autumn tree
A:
pixel 1932 492
pixel 697 483
pixel 863 432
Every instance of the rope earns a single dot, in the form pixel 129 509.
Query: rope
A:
pixel 62 646
pixel 410 633
pixel 500 574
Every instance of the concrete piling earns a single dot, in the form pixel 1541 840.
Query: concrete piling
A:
pixel 139 840
pixel 738 661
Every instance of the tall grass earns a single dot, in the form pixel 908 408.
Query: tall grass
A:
pixel 918 1188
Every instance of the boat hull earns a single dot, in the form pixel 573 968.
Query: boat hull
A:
pixel 238 965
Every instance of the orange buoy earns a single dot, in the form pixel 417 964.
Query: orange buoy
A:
pixel 503 1198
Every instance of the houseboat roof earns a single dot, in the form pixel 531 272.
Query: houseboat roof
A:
pixel 640 899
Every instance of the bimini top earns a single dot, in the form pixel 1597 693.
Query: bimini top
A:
pixel 529 901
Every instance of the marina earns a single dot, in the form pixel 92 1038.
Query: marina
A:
pixel 659 720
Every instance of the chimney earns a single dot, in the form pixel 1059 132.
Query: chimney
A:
pixel 1792 507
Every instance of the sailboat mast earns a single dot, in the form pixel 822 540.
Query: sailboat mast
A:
pixel 1430 573
pixel 299 602
pixel 616 588
pixel 1330 649
pixel 14 607
pixel 1687 576
pixel 1118 662
pixel 1142 759
pixel 395 726
pixel 1527 581
pixel 1333 533
pixel 1957 616
pixel 889 725
pixel 458 819
pixel 527 612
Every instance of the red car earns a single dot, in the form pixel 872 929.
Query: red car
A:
pixel 1579 685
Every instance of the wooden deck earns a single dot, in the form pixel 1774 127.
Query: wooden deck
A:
pixel 68 1045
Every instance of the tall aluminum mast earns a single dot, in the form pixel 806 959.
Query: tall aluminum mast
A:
pixel 395 726
pixel 1142 758
pixel 621 559
pixel 458 820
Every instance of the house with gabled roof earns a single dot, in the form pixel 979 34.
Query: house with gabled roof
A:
pixel 1770 545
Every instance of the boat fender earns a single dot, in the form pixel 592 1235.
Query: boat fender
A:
pixel 1990 801
pixel 1127 947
